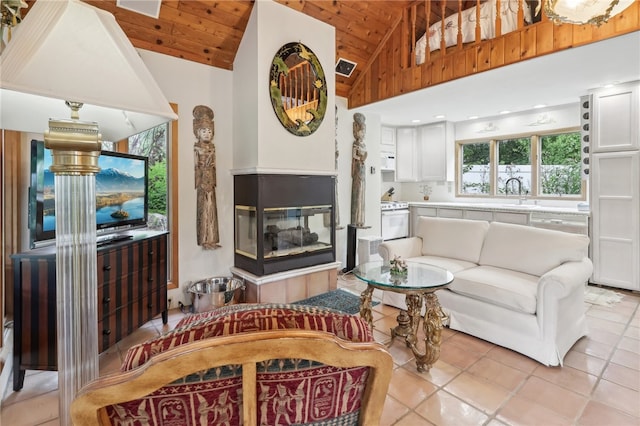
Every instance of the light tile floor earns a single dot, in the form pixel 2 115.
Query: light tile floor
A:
pixel 473 383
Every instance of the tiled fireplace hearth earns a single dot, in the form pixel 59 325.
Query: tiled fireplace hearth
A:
pixel 284 235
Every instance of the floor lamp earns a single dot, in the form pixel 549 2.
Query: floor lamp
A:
pixel 70 56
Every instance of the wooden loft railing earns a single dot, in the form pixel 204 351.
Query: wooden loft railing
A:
pixel 393 69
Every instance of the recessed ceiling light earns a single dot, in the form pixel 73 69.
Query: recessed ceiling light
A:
pixel 415 121
pixel 540 106
pixel 439 116
pixel 473 117
pixel 608 86
pixel 505 112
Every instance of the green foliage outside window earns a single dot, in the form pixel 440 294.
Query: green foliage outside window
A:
pixel 514 157
pixel 158 187
pixel 153 144
pixel 560 164
pixel 475 168
pixel 558 171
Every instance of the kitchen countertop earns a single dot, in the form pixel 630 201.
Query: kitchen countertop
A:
pixel 508 207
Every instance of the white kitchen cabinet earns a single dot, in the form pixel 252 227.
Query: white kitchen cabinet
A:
pixel 450 213
pixel 616 119
pixel 614 187
pixel 509 217
pixel 478 215
pixel 388 139
pixel 425 153
pixel 434 143
pixel 387 149
pixel 568 221
pixel 615 227
pixel 406 158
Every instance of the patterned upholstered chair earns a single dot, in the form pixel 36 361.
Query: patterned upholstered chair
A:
pixel 250 364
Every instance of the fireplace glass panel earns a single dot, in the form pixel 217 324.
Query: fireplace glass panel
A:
pixel 246 224
pixel 295 230
pixel 283 222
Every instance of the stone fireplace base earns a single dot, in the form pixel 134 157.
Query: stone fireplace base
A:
pixel 289 286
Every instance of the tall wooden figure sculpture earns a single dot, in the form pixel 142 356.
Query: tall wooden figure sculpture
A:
pixel 205 175
pixel 358 170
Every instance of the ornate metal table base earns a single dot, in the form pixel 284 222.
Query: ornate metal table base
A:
pixel 403 329
pixel 408 322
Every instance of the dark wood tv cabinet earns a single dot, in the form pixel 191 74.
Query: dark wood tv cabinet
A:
pixel 132 289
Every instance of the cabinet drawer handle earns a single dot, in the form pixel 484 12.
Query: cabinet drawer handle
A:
pixel 150 279
pixel 106 332
pixel 106 300
pixel 151 252
pixel 150 306
pixel 106 267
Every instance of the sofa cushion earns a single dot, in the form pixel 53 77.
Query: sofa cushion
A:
pixel 510 289
pixel 455 238
pixel 531 250
pixel 452 265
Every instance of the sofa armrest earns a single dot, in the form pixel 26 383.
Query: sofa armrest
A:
pixel 561 299
pixel 404 247
pixel 564 279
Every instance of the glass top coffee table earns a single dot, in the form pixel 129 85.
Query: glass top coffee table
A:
pixel 418 284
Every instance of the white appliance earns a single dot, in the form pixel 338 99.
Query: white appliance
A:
pixel 368 249
pixel 394 220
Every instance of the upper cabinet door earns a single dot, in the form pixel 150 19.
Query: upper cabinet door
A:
pixel 615 122
pixel 425 153
pixel 406 158
pixel 388 139
pixel 433 152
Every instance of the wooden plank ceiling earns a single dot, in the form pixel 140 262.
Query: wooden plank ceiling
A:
pixel 209 32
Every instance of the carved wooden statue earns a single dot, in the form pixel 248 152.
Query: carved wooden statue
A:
pixel 358 170
pixel 205 176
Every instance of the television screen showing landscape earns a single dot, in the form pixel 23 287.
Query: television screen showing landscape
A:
pixel 120 191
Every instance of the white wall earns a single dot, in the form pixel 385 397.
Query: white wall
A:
pixel 261 141
pixel 189 84
pixel 245 102
pixel 537 120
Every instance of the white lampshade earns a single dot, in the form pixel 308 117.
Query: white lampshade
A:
pixel 584 11
pixel 72 51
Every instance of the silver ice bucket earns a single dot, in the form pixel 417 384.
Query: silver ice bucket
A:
pixel 214 292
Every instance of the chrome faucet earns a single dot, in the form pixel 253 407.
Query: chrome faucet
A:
pixel 506 188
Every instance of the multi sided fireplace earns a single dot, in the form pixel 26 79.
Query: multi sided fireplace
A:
pixel 283 222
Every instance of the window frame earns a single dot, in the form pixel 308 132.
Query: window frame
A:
pixel 535 149
pixel 173 281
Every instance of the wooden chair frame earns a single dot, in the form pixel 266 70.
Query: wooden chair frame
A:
pixel 247 349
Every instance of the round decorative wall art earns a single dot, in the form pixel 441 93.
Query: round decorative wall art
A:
pixel 298 89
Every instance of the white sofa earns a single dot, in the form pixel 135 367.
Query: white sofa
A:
pixel 516 286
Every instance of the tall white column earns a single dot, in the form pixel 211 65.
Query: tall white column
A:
pixel 75 150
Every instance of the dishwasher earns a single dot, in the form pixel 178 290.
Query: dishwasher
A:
pixel 577 224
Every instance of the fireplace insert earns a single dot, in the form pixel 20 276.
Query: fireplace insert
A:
pixel 283 222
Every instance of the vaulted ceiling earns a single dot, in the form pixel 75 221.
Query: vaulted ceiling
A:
pixel 209 32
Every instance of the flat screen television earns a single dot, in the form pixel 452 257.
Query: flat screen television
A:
pixel 121 193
